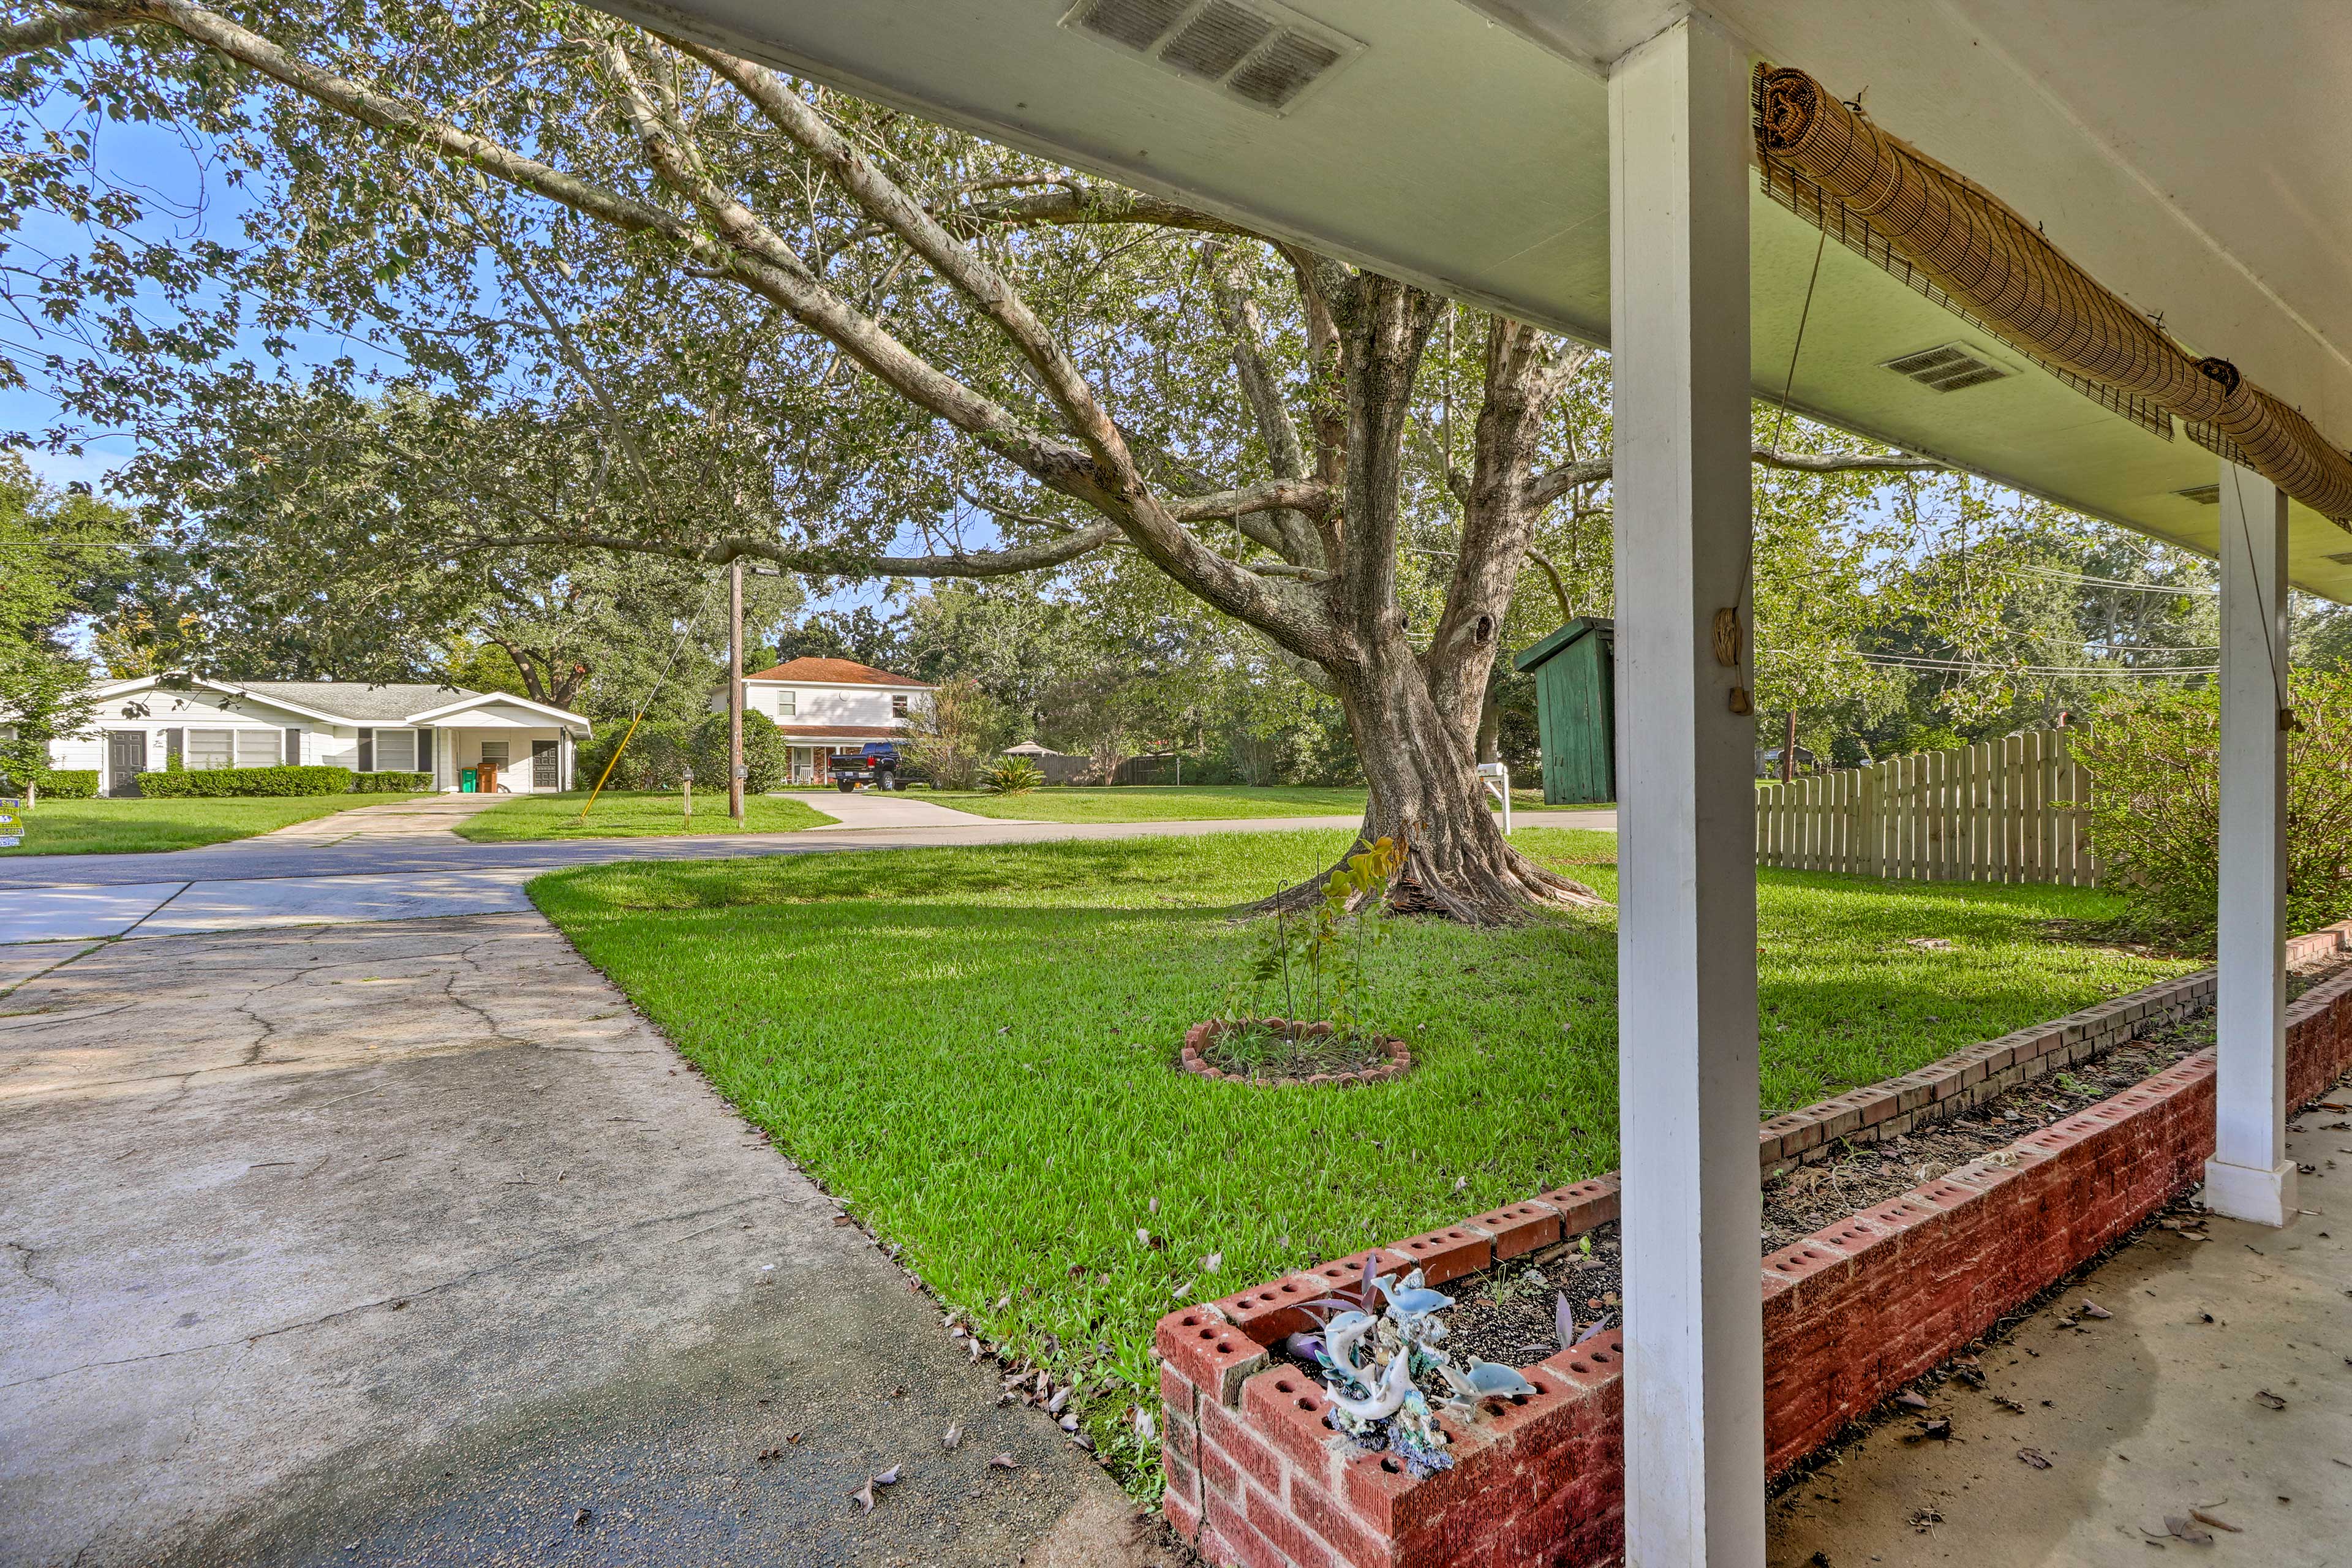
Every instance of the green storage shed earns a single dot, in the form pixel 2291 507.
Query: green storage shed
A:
pixel 1576 710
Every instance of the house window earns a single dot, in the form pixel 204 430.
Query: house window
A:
pixel 395 751
pixel 257 748
pixel 494 752
pixel 898 707
pixel 788 704
pixel 211 749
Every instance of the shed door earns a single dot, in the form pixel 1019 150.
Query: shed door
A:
pixel 126 759
pixel 542 764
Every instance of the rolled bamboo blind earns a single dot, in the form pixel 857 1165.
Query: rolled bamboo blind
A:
pixel 2000 270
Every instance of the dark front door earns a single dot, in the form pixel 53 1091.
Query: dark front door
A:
pixel 542 764
pixel 126 759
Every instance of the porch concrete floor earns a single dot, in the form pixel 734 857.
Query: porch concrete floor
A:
pixel 2148 1414
pixel 411 1243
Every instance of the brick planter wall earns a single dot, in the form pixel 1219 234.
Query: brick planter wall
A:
pixel 1850 1314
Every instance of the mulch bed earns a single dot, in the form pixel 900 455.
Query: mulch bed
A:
pixel 1506 1313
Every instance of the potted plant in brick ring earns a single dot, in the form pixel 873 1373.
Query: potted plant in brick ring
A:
pixel 1314 966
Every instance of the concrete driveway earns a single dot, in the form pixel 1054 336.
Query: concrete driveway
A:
pixel 410 1243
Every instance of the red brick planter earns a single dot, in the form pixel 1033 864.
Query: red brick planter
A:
pixel 1399 1061
pixel 1851 1314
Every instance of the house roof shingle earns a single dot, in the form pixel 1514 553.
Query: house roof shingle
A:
pixel 835 672
pixel 359 698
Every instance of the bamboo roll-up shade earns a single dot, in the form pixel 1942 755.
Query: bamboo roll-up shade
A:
pixel 2000 271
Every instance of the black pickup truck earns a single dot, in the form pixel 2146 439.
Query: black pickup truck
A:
pixel 875 762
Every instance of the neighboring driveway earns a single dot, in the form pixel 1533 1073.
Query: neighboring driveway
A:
pixel 410 1243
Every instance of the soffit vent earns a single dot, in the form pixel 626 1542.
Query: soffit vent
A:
pixel 2203 495
pixel 1948 368
pixel 1262 54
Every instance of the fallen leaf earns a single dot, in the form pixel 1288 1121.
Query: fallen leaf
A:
pixel 1069 1422
pixel 1211 1264
pixel 2034 1457
pixel 1002 1462
pixel 2183 1529
pixel 2269 1400
pixel 1144 1425
pixel 1940 1429
pixel 1928 943
pixel 888 1478
pixel 2201 1517
pixel 953 1438
pixel 1910 1401
pixel 2093 1309
pixel 1053 1405
pixel 865 1495
pixel 841 1219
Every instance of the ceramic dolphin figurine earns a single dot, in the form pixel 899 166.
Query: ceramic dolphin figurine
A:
pixel 1386 1397
pixel 1343 1333
pixel 1409 1298
pixel 1485 1380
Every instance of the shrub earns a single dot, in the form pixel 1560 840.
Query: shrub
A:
pixel 391 781
pixel 1013 775
pixel 62 784
pixel 767 757
pixel 211 782
pixel 2155 808
pixel 655 758
pixel 946 738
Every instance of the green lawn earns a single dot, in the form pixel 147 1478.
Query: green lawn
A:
pixel 630 814
pixel 972 1050
pixel 132 825
pixel 1174 803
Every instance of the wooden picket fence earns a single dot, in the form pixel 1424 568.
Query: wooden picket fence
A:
pixel 2012 810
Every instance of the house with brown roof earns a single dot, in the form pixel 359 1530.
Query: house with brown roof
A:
pixel 828 705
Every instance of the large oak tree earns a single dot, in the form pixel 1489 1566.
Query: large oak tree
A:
pixel 943 307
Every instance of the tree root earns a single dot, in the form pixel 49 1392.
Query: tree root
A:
pixel 1478 893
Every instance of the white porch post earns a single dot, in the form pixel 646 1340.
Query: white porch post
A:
pixel 2250 1176
pixel 1687 855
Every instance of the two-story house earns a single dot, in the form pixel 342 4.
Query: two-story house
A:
pixel 829 705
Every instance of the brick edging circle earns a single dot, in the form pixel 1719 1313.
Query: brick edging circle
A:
pixel 1399 1061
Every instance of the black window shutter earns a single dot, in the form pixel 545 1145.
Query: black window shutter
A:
pixel 173 742
pixel 367 750
pixel 293 748
pixel 425 752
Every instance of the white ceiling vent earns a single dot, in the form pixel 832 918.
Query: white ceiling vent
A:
pixel 1948 368
pixel 1258 51
pixel 2203 495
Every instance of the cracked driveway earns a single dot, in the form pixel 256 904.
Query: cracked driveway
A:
pixel 410 1243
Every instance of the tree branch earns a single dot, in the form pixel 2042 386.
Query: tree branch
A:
pixel 57 29
pixel 1548 486
pixel 1004 562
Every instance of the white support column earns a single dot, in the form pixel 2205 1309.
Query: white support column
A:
pixel 1687 855
pixel 2250 1176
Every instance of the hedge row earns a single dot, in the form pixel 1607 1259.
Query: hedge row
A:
pixel 391 782
pixel 213 782
pixel 62 784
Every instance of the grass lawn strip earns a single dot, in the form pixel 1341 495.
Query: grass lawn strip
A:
pixel 972 1048
pixel 625 814
pixel 138 825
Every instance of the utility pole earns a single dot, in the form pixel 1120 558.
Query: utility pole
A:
pixel 735 690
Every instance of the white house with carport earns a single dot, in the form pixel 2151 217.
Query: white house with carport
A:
pixel 514 744
pixel 829 705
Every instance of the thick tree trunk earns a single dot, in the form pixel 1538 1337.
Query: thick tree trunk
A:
pixel 1427 795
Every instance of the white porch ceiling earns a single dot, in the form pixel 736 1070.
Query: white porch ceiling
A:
pixel 2191 155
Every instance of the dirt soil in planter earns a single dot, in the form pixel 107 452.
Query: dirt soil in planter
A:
pixel 1277 1050
pixel 1506 1313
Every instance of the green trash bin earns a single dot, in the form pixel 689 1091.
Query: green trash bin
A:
pixel 469 780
